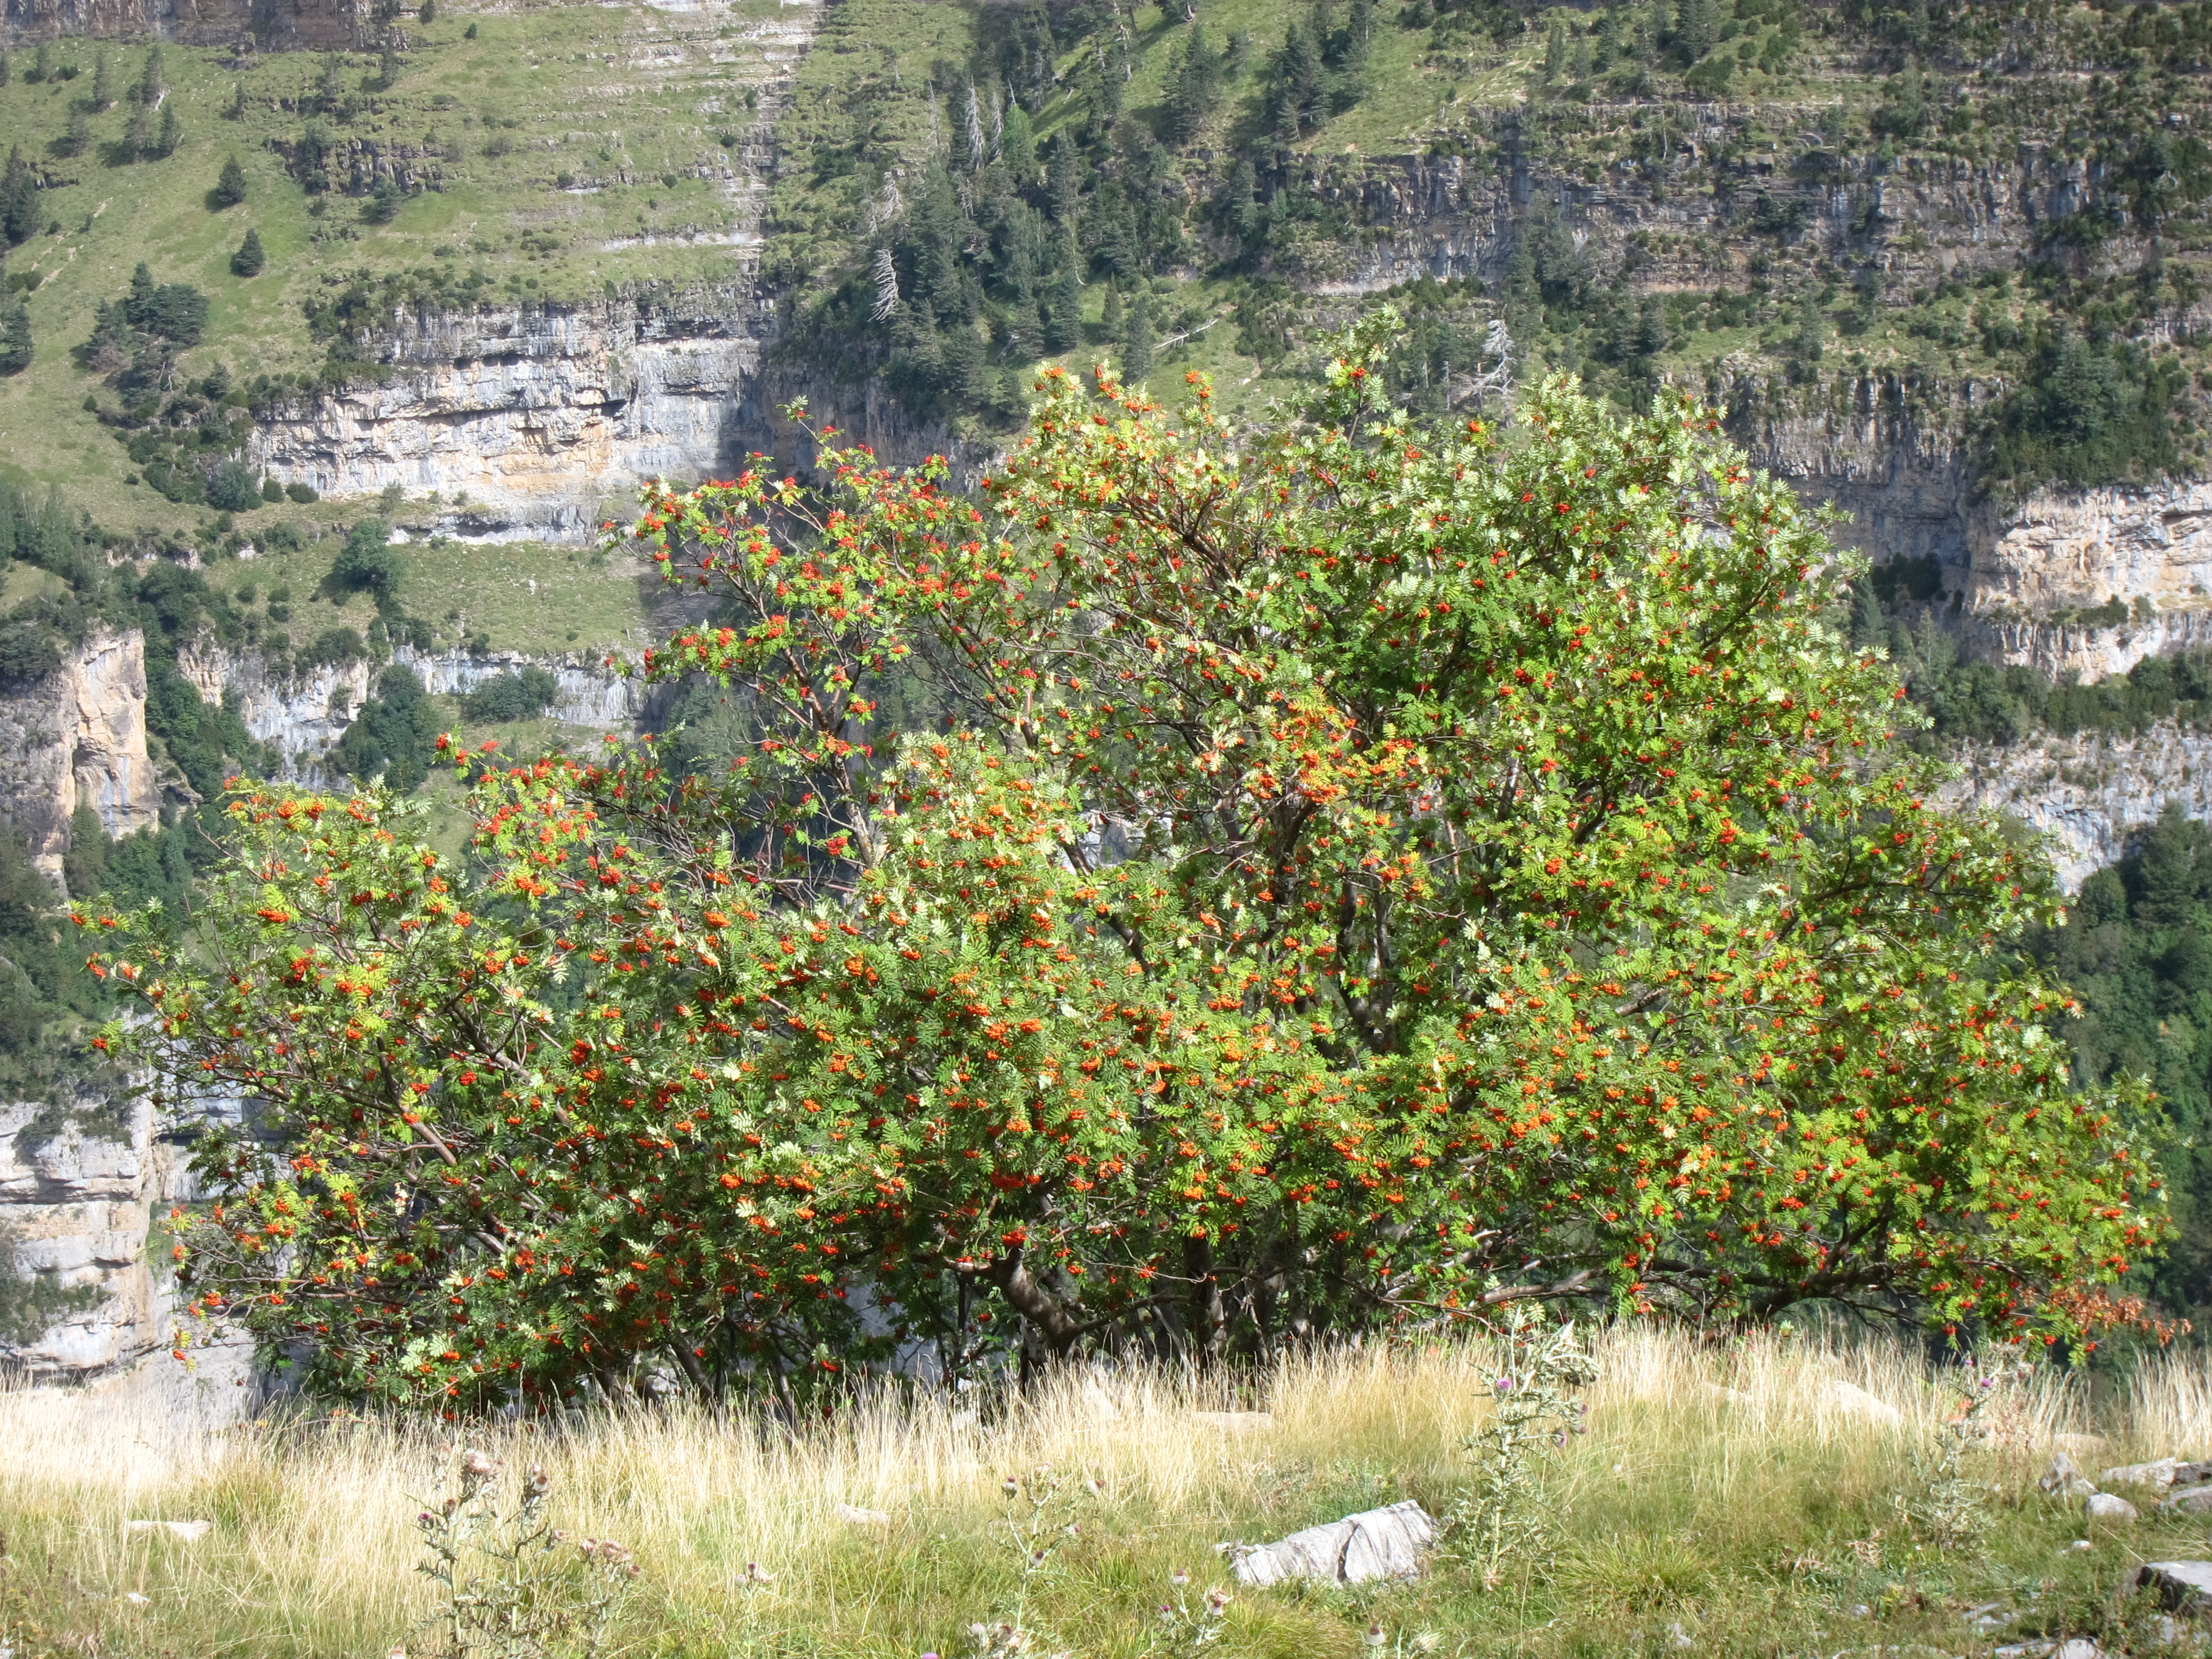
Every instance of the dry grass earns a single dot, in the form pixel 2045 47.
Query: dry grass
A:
pixel 1724 1487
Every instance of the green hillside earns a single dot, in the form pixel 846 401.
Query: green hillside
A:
pixel 525 155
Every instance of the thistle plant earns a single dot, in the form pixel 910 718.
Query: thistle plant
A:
pixel 1506 1513
pixel 512 1585
pixel 1041 1521
pixel 1188 1621
pixel 1948 1507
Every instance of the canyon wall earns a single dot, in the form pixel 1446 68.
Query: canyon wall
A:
pixel 536 420
pixel 78 737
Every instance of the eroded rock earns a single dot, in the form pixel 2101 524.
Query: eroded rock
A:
pixel 1384 1543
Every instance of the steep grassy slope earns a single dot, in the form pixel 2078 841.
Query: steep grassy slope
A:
pixel 535 155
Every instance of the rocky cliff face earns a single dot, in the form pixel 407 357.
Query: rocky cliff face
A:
pixel 304 715
pixel 78 738
pixel 2089 793
pixel 530 420
pixel 317 25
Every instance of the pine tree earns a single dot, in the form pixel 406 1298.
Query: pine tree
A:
pixel 7 70
pixel 1063 317
pixel 16 339
pixel 173 131
pixel 76 135
pixel 42 63
pixel 1196 87
pixel 138 136
pixel 1137 337
pixel 1555 52
pixel 103 81
pixel 19 199
pixel 428 13
pixel 1017 146
pixel 249 258
pixel 1294 80
pixel 1693 29
pixel 149 90
pixel 230 186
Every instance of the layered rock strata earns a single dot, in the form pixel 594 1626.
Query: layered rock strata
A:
pixel 78 737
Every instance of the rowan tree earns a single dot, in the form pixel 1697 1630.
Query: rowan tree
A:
pixel 1352 874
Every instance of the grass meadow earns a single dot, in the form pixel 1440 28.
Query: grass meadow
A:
pixel 1727 1499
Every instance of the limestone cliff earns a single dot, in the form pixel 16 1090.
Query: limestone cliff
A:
pixel 2089 793
pixel 303 715
pixel 532 421
pixel 78 737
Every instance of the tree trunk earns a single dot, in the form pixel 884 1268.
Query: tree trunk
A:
pixel 1034 1303
pixel 1209 1319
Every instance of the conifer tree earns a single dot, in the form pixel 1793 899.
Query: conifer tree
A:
pixel 103 81
pixel 7 70
pixel 16 339
pixel 1063 319
pixel 1137 337
pixel 19 199
pixel 42 63
pixel 230 186
pixel 138 136
pixel 249 258
pixel 151 84
pixel 173 131
pixel 1555 52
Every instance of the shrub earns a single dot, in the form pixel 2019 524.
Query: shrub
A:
pixel 301 495
pixel 1432 897
pixel 517 696
pixel 231 488
pixel 366 562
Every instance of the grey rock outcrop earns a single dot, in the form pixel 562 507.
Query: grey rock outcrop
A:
pixel 2182 1586
pixel 2088 793
pixel 1384 1543
pixel 78 737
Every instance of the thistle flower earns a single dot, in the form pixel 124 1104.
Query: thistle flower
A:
pixel 1179 1576
pixel 1374 1637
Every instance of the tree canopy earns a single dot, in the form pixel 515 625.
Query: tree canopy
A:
pixel 1355 873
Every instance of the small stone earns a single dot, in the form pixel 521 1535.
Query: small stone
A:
pixel 2063 1480
pixel 2078 1647
pixel 190 1531
pixel 2182 1586
pixel 2160 1474
pixel 1679 1637
pixel 1235 1422
pixel 854 1516
pixel 2104 1506
pixel 1849 1398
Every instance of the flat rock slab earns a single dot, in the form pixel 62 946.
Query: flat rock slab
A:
pixel 2188 1500
pixel 1384 1543
pixel 2109 1507
pixel 2182 1586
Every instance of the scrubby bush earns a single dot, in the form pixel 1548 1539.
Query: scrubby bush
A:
pixel 367 564
pixel 517 696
